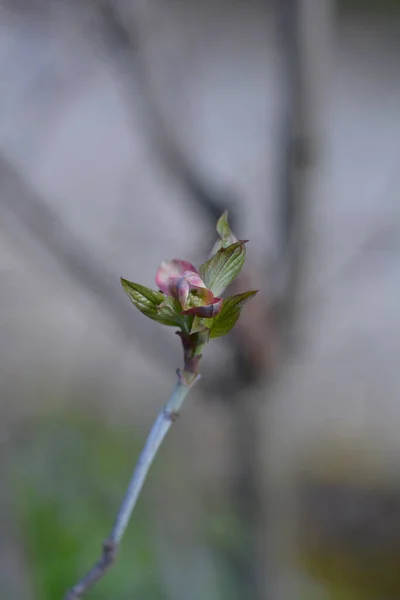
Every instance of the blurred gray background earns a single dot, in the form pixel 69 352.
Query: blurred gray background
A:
pixel 126 128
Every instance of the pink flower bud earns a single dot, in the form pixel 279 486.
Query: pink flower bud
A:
pixel 170 269
pixel 178 278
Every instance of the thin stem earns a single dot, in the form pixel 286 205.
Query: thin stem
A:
pixel 158 432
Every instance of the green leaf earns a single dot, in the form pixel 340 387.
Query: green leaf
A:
pixel 224 231
pixel 158 307
pixel 222 268
pixel 145 299
pixel 231 308
pixel 226 236
pixel 199 324
pixel 170 313
pixel 148 301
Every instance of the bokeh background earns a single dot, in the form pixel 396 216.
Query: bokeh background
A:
pixel 126 128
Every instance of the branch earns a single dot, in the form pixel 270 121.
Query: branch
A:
pixel 277 335
pixel 74 257
pixel 125 44
pixel 304 40
pixel 158 432
pixel 220 272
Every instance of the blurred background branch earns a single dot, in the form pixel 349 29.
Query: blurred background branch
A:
pixel 297 23
pixel 124 31
pixel 77 261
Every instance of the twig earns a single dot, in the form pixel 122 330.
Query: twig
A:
pixel 158 432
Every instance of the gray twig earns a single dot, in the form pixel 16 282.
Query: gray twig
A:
pixel 158 432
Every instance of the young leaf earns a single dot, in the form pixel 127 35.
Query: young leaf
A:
pixel 226 236
pixel 169 312
pixel 222 268
pixel 231 308
pixel 224 231
pixel 199 324
pixel 148 301
pixel 158 307
pixel 145 299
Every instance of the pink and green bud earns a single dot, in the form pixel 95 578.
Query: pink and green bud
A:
pixel 181 280
pixel 190 299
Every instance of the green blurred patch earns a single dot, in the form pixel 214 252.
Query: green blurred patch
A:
pixel 69 477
